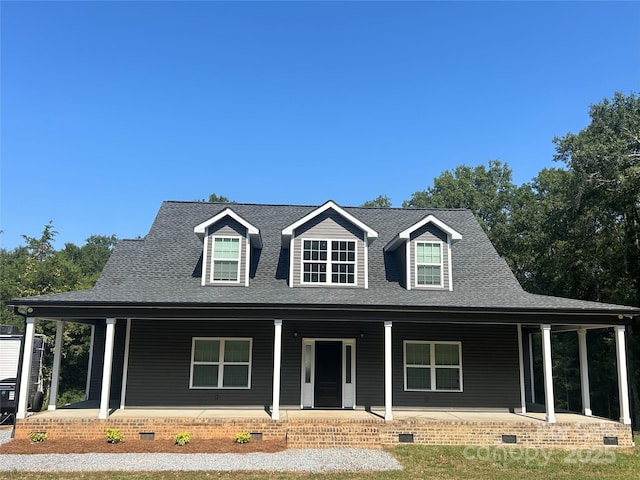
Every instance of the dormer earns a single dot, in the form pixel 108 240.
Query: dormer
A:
pixel 228 241
pixel 424 254
pixel 328 247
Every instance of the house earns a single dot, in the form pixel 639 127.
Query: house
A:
pixel 285 307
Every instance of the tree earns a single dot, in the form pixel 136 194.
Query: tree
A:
pixel 36 269
pixel 605 161
pixel 381 201
pixel 488 192
pixel 214 198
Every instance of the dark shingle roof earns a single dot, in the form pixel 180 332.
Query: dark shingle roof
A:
pixel 163 268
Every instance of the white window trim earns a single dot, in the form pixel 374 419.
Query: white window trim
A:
pixel 221 363
pixel 415 263
pixel 432 366
pixel 329 262
pixel 213 259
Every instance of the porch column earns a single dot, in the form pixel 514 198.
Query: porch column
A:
pixel 531 370
pixel 523 399
pixel 125 366
pixel 584 372
pixel 623 385
pixel 277 360
pixel 388 391
pixel 87 387
pixel 25 377
pixel 548 373
pixel 106 368
pixel 55 372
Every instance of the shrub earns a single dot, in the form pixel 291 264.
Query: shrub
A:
pixel 114 435
pixel 38 437
pixel 243 437
pixel 182 439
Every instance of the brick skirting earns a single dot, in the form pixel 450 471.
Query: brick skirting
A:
pixel 325 433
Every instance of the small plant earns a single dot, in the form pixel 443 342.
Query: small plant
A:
pixel 114 435
pixel 243 437
pixel 38 437
pixel 182 439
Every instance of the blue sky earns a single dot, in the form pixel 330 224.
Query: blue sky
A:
pixel 109 108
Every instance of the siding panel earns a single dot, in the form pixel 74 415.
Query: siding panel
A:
pixel 160 359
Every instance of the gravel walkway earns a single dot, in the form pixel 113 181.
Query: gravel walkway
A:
pixel 310 460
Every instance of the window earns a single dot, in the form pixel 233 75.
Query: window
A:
pixel 221 363
pixel 428 264
pixel 226 259
pixel 332 262
pixel 433 366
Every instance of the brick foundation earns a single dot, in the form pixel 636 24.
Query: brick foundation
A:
pixel 325 433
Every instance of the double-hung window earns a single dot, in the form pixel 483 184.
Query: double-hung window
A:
pixel 435 366
pixel 221 363
pixel 329 262
pixel 429 264
pixel 226 259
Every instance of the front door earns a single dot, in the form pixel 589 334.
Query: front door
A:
pixel 328 378
pixel 328 373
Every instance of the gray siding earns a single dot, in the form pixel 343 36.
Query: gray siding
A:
pixel 490 373
pixel 328 226
pixel 160 355
pixel 227 227
pixel 95 385
pixel 160 359
pixel 429 233
pixel 369 360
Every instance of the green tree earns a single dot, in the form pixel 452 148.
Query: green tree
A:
pixel 488 192
pixel 214 198
pixel 381 201
pixel 604 158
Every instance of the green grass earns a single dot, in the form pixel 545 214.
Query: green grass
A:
pixel 428 462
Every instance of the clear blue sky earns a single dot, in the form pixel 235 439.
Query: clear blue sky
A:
pixel 109 108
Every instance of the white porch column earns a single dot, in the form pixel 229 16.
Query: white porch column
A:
pixel 25 378
pixel 548 373
pixel 531 370
pixel 623 385
pixel 277 360
pixel 55 372
pixel 523 398
pixel 90 363
pixel 106 368
pixel 125 366
pixel 584 372
pixel 388 387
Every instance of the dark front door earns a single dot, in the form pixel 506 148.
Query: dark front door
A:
pixel 328 384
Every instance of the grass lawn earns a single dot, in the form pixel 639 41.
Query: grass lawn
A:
pixel 423 462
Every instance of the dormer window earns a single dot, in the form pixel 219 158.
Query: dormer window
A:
pixel 429 264
pixel 328 247
pixel 323 256
pixel 424 252
pixel 228 242
pixel 226 259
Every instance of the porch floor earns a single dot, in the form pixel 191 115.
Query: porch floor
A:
pixel 87 410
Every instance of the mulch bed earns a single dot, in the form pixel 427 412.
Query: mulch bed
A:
pixel 220 445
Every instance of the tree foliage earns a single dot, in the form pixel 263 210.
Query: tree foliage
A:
pixel 38 269
pixel 381 201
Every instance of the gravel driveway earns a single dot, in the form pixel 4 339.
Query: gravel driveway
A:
pixel 309 460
